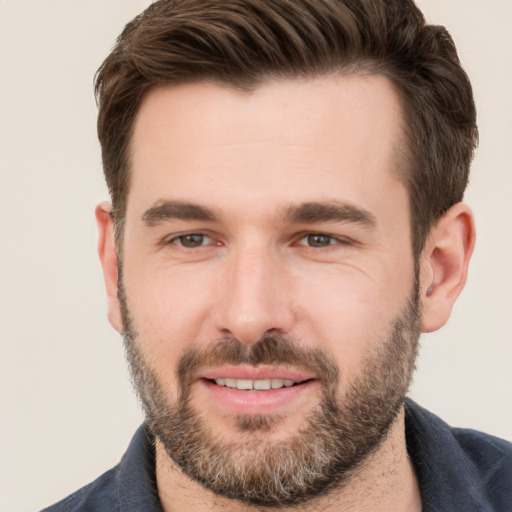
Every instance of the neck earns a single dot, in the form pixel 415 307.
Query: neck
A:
pixel 384 482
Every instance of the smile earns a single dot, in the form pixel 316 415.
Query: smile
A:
pixel 257 390
pixel 259 385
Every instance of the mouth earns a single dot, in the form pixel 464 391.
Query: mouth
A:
pixel 257 385
pixel 257 390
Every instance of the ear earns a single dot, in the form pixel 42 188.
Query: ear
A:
pixel 444 265
pixel 108 257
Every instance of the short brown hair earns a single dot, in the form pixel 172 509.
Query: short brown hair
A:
pixel 241 43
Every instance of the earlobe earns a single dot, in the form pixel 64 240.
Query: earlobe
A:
pixel 108 257
pixel 444 265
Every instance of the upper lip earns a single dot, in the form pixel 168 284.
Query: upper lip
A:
pixel 262 372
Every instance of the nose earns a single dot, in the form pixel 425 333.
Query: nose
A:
pixel 254 298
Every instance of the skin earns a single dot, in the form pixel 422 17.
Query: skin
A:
pixel 250 158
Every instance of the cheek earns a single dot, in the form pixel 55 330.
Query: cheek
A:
pixel 168 311
pixel 348 314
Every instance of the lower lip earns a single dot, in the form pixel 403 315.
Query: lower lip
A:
pixel 239 401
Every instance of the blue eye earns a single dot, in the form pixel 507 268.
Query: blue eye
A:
pixel 192 240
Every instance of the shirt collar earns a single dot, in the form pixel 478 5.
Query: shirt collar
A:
pixel 447 477
pixel 136 486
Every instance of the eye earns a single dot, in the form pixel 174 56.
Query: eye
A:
pixel 318 240
pixel 192 240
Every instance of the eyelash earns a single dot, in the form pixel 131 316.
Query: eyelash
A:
pixel 333 240
pixel 178 240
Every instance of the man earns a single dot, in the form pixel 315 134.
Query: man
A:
pixel 286 182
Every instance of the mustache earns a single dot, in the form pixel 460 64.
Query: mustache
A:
pixel 270 350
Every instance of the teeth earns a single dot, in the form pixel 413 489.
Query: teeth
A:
pixel 230 383
pixel 277 383
pixel 243 384
pixel 260 385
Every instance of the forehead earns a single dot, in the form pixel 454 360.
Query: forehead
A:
pixel 287 140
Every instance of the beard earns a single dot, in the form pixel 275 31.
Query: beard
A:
pixel 337 436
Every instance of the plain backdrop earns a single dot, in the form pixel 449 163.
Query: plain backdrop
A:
pixel 67 408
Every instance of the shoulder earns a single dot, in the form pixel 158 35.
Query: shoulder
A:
pixel 98 496
pixel 458 469
pixel 490 461
pixel 483 451
pixel 491 456
pixel 131 485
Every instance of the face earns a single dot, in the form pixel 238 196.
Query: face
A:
pixel 268 289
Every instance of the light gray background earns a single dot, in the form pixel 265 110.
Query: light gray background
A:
pixel 67 409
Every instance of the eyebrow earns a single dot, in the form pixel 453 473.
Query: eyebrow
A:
pixel 304 213
pixel 332 211
pixel 168 210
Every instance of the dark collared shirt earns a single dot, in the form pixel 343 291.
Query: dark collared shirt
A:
pixel 459 470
